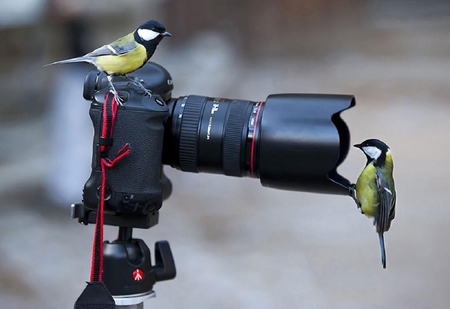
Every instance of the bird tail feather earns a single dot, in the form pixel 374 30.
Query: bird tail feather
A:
pixel 383 251
pixel 72 60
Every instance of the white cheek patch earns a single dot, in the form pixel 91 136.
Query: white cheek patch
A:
pixel 147 34
pixel 372 151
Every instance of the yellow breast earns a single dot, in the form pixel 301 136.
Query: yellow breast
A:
pixel 123 64
pixel 366 191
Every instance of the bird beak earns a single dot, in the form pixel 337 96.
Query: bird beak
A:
pixel 357 146
pixel 165 33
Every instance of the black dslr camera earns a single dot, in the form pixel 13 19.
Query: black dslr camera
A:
pixel 290 141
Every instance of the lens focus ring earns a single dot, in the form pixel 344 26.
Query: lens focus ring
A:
pixel 232 140
pixel 189 133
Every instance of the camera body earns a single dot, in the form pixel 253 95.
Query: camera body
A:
pixel 290 141
pixel 135 185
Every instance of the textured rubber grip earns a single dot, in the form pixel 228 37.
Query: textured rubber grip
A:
pixel 189 133
pixel 232 139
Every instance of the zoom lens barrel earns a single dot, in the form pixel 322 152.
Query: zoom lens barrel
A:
pixel 210 135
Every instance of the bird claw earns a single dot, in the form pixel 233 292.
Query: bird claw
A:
pixel 352 193
pixel 114 91
pixel 119 100
pixel 139 84
pixel 146 91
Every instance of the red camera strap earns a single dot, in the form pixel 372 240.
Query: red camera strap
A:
pixel 109 115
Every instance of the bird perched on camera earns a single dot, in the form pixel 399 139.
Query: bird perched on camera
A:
pixel 375 189
pixel 125 55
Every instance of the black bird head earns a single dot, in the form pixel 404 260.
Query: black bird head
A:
pixel 150 34
pixel 375 151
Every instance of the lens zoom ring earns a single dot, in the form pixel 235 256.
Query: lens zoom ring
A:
pixel 232 140
pixel 189 132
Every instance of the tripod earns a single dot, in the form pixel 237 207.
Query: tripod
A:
pixel 128 272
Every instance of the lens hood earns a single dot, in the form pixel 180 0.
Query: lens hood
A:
pixel 303 140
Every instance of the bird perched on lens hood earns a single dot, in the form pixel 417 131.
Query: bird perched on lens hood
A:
pixel 127 54
pixel 375 189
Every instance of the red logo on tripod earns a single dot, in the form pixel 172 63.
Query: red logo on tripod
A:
pixel 138 274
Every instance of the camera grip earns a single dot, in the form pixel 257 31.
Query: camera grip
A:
pixel 133 183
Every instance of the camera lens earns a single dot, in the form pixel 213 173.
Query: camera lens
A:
pixel 212 135
pixel 290 141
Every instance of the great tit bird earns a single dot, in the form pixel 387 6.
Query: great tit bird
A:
pixel 375 189
pixel 127 54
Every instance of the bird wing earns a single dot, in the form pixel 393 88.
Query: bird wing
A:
pixel 386 207
pixel 118 47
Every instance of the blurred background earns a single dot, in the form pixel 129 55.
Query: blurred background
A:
pixel 236 244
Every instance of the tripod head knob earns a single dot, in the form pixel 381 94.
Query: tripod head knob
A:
pixel 164 262
pixel 127 267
